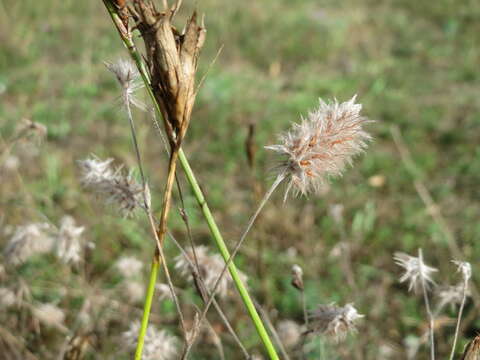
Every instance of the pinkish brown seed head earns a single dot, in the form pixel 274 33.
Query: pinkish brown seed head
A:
pixel 322 145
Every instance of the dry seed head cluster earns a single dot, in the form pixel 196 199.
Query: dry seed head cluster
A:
pixel 210 267
pixel 40 238
pixel 334 321
pixel 114 185
pixel 29 240
pixel 322 145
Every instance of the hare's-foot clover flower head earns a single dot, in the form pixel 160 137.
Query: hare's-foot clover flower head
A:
pixel 416 271
pixel 322 145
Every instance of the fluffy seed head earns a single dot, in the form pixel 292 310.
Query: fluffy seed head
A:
pixel 129 78
pixel 163 291
pixel 322 145
pixel 159 345
pixel 28 240
pixel 96 171
pixel 113 184
pixel 129 266
pixel 210 267
pixel 69 244
pixel 31 128
pixel 289 332
pixel 7 297
pixel 334 321
pixel 415 271
pixel 464 268
pixel 50 315
pixel 133 291
pixel 450 295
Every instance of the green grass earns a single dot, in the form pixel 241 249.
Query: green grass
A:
pixel 413 64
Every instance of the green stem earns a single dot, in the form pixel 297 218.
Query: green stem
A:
pixel 217 236
pixel 262 332
pixel 147 307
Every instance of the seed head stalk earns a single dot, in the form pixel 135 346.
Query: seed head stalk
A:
pixel 459 318
pixel 427 305
pixel 230 265
pixel 128 42
pixel 466 269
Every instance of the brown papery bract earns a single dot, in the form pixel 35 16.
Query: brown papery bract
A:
pixel 172 61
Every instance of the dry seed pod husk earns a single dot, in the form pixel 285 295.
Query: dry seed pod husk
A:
pixel 472 350
pixel 172 61
pixel 297 277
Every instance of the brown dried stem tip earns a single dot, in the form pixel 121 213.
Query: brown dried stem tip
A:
pixel 172 61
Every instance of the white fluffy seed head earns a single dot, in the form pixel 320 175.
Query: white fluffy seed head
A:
pixel 28 240
pixel 133 291
pixel 289 332
pixel 415 271
pixel 7 297
pixel 50 315
pixel 129 266
pixel 334 321
pixel 163 291
pixel 159 344
pixel 210 267
pixel 114 185
pixel 450 295
pixel 129 79
pixel 69 242
pixel 95 171
pixel 464 268
pixel 322 145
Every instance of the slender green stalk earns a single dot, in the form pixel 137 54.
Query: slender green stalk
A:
pixel 217 236
pixel 203 205
pixel 147 307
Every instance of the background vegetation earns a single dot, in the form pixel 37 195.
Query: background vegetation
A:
pixel 413 64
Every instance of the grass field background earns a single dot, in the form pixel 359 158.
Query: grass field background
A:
pixel 413 65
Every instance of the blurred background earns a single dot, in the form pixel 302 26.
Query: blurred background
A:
pixel 414 66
